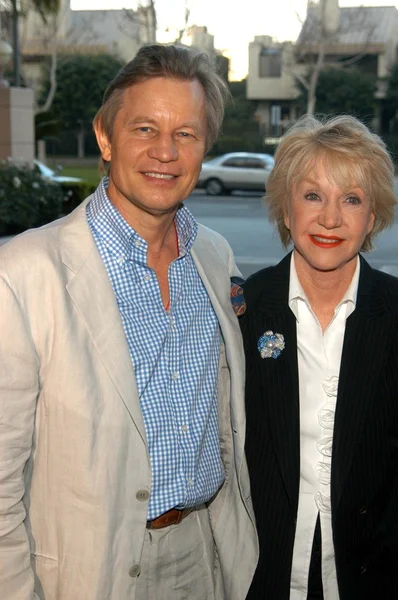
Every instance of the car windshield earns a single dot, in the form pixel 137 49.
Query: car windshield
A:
pixel 46 171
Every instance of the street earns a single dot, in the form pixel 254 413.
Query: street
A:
pixel 242 219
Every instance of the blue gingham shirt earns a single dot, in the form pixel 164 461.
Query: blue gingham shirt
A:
pixel 174 353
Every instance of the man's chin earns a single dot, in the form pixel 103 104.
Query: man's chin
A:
pixel 157 209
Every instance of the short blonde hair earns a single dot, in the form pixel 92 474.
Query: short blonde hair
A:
pixel 350 152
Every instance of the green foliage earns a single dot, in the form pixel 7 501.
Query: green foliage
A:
pixel 46 125
pixel 81 82
pixel 391 103
pixel 26 199
pixel 240 110
pixel 343 91
pixel 240 131
pixel 89 173
pixel 74 194
pixel 392 88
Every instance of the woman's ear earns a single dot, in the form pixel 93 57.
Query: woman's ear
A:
pixel 372 218
pixel 286 219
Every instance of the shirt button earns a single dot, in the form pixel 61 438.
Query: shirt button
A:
pixel 142 495
pixel 134 570
pixel 364 568
pixel 190 482
pixel 120 260
pixel 184 428
pixel 137 243
pixel 147 277
pixel 363 510
pixel 175 375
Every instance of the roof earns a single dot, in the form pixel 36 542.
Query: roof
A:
pixel 357 25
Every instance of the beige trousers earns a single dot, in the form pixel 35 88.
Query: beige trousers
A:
pixel 179 562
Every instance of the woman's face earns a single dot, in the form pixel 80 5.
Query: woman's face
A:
pixel 328 224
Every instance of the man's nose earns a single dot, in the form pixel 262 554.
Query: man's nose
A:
pixel 164 149
pixel 330 216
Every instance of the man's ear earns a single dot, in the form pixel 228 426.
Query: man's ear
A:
pixel 103 142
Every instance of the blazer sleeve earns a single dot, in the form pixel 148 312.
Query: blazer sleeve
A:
pixel 233 268
pixel 19 385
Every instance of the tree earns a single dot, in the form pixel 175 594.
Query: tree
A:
pixel 392 98
pixel 348 91
pixel 316 46
pixel 81 84
pixel 49 13
pixel 146 12
pixel 240 131
pixel 46 9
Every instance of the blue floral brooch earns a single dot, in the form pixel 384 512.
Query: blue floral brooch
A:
pixel 270 344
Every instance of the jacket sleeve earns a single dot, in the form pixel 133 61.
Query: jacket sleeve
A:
pixel 232 266
pixel 19 385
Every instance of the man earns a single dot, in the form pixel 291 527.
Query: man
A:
pixel 122 473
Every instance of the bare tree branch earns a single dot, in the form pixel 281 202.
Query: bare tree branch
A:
pixel 317 39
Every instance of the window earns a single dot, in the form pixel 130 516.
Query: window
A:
pixel 270 62
pixel 254 163
pixel 237 162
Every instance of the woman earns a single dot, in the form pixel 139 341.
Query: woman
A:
pixel 321 342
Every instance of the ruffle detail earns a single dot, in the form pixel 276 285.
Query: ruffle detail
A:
pixel 324 446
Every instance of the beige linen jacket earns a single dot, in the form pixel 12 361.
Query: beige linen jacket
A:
pixel 73 452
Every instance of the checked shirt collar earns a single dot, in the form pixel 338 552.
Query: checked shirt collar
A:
pixel 121 239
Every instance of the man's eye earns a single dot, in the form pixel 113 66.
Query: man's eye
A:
pixel 184 134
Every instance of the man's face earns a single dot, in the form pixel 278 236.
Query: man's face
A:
pixel 157 146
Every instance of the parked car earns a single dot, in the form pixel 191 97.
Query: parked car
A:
pixel 48 173
pixel 235 171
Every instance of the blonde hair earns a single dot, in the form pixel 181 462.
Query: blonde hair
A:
pixel 174 62
pixel 351 154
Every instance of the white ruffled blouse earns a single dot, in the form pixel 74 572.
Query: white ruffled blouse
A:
pixel 319 357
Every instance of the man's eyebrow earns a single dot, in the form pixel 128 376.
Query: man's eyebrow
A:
pixel 145 119
pixel 141 119
pixel 194 125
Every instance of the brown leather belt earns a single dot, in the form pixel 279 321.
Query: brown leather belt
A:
pixel 171 517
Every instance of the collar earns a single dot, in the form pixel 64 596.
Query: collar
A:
pixel 297 293
pixel 121 239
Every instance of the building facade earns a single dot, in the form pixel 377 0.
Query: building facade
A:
pixel 364 36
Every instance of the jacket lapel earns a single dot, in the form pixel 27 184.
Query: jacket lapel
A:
pixel 279 410
pixel 92 293
pixel 367 341
pixel 212 270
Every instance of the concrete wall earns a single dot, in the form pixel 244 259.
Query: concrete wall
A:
pixel 17 124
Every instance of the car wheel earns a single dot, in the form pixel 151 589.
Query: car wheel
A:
pixel 214 187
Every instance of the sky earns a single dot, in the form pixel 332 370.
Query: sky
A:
pixel 233 24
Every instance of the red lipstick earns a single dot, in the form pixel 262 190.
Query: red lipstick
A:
pixel 320 240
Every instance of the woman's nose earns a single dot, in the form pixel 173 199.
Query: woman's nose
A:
pixel 330 216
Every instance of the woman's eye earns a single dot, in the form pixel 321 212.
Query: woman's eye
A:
pixel 353 200
pixel 312 196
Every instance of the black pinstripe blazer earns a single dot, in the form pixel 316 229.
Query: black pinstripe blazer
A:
pixel 364 480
